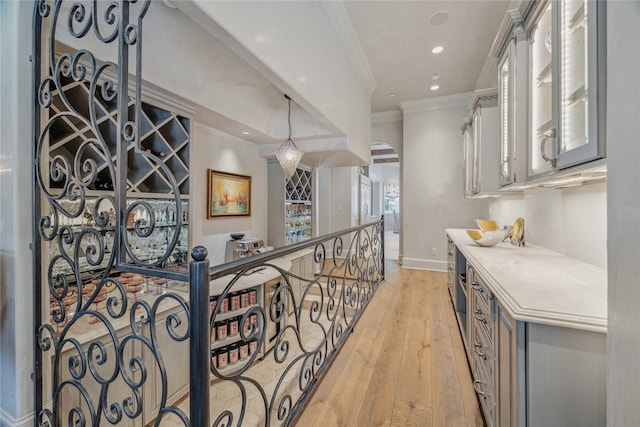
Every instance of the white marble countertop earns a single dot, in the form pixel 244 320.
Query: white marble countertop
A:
pixel 538 285
pixel 255 277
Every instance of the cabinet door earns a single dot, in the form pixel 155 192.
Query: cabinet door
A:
pixel 581 138
pixel 506 354
pixel 467 161
pixel 506 105
pixel 542 87
pixel 566 86
pixel 176 364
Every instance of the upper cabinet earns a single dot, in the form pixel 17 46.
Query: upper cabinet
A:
pixel 481 139
pixel 551 93
pixel 506 111
pixel 566 85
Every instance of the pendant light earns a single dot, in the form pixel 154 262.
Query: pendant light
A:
pixel 288 153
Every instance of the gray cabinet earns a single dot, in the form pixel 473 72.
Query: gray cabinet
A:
pixel 527 374
pixel 481 144
pixel 566 85
pixel 508 348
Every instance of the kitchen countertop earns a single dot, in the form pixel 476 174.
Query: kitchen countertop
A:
pixel 538 285
pixel 252 278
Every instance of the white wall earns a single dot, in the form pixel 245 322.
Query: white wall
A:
pixel 572 221
pixel 212 149
pixel 432 186
pixel 623 194
pixel 301 45
pixel 16 270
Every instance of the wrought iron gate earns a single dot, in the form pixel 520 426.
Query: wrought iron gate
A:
pixel 126 326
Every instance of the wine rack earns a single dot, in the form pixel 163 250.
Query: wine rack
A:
pixel 164 140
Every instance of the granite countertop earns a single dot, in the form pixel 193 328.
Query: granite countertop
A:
pixel 538 285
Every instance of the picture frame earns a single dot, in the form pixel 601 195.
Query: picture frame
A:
pixel 228 194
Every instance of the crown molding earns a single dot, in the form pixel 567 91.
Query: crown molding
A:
pixel 386 116
pixel 512 21
pixel 437 103
pixel 344 28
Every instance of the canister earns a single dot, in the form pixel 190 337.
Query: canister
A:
pixel 223 358
pixel 233 327
pixel 243 350
pixel 233 354
pixel 244 299
pixel 224 306
pixel 253 297
pixel 221 330
pixel 247 327
pixel 235 302
pixel 253 346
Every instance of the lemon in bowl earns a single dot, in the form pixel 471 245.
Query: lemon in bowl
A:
pixel 487 238
pixel 487 224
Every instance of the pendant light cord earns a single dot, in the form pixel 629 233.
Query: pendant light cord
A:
pixel 289 115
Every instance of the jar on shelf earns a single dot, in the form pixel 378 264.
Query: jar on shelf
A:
pixel 253 297
pixel 253 346
pixel 233 327
pixel 243 350
pixel 223 358
pixel 244 299
pixel 235 302
pixel 221 330
pixel 233 354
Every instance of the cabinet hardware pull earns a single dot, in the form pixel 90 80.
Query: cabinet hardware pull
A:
pixel 548 135
pixel 477 383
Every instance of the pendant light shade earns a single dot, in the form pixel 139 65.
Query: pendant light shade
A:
pixel 288 154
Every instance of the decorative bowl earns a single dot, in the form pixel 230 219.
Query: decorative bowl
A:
pixel 487 225
pixel 487 238
pixel 237 236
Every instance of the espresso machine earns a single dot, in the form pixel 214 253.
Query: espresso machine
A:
pixel 241 247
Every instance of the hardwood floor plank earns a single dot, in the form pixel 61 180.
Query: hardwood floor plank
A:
pixel 411 414
pixel 403 366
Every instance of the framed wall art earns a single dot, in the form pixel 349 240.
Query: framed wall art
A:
pixel 228 194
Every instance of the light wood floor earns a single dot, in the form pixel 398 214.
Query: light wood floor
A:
pixel 403 366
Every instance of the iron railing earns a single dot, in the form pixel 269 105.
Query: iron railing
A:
pixel 298 328
pixel 117 308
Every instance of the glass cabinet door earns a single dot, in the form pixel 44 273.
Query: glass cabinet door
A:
pixel 566 72
pixel 506 102
pixel 579 72
pixel 542 118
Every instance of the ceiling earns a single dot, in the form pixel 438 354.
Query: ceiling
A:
pixel 397 38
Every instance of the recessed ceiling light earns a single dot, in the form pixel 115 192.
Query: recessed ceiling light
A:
pixel 245 133
pixel 435 87
pixel 439 17
pixel 437 49
pixel 392 95
pixel 435 77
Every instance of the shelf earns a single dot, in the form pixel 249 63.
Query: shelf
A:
pixel 544 77
pixel 236 313
pixel 231 340
pixel 579 95
pixel 163 132
pixel 578 20
pixel 544 127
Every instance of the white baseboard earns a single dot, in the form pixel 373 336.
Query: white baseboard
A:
pixel 8 421
pixel 424 264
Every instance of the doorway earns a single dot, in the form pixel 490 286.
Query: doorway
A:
pixel 384 172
